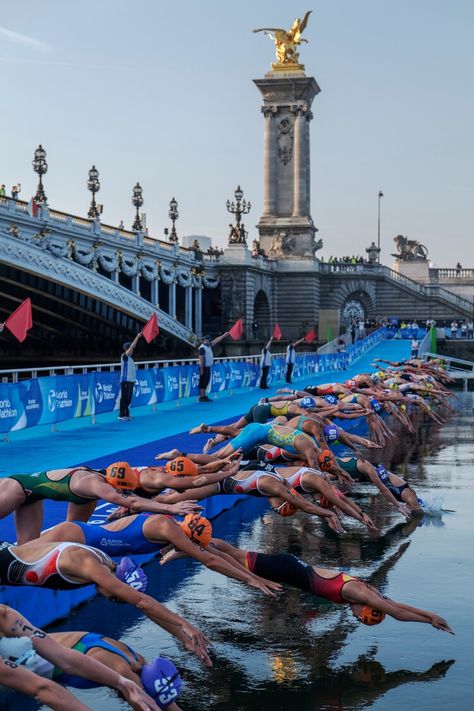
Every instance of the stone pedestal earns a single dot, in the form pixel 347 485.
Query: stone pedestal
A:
pixel 416 269
pixel 237 254
pixel 286 227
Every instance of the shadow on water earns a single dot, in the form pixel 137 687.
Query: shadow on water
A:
pixel 296 651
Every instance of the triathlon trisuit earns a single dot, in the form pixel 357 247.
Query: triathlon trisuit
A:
pixel 250 485
pixel 350 384
pixel 285 568
pixel 39 486
pixel 255 434
pixel 90 640
pixel 259 413
pixel 384 477
pixel 350 466
pixel 129 539
pixel 327 389
pixel 295 480
pixel 44 572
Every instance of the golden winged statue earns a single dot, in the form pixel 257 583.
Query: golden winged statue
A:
pixel 286 42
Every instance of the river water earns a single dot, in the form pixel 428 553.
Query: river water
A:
pixel 296 652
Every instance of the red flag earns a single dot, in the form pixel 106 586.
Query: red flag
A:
pixel 150 329
pixel 20 321
pixel 277 334
pixel 33 208
pixel 236 331
pixel 310 336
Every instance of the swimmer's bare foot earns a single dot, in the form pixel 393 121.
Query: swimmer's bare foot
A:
pixel 172 454
pixel 201 429
pixel 209 445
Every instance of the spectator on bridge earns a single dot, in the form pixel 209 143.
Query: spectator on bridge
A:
pixel 16 191
pixel 121 225
pixel 291 357
pixel 265 363
pixel 128 374
pixel 464 329
pixel 206 361
pixel 454 329
pixel 458 269
pixel 2 190
pixel 353 332
pixel 470 330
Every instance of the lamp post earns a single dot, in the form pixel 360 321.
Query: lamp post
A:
pixel 94 186
pixel 41 167
pixel 239 208
pixel 173 215
pixel 378 227
pixel 137 202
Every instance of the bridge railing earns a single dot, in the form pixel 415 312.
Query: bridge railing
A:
pixel 425 290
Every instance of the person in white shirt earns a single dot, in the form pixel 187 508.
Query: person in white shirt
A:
pixel 128 374
pixel 291 358
pixel 454 329
pixel 265 363
pixel 361 328
pixel 470 330
pixel 206 361
pixel 464 329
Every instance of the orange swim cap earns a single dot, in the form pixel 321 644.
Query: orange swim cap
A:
pixel 120 475
pixel 197 528
pixel 370 616
pixel 182 466
pixel 325 460
pixel 285 508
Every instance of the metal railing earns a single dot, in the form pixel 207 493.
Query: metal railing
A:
pixel 18 374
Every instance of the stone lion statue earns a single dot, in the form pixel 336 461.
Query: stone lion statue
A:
pixel 409 249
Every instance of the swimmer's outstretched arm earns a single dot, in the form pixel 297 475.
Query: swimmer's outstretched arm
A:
pixel 13 624
pixel 43 690
pixel 95 488
pixel 358 592
pixel 110 586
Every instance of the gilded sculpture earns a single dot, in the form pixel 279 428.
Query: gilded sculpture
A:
pixel 286 43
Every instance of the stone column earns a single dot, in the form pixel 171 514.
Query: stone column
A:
pixel 309 116
pixel 172 299
pixel 188 310
pixel 154 292
pixel 198 311
pixel 269 155
pixel 299 163
pixel 136 283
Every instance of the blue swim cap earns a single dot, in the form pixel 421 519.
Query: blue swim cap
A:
pixel 307 402
pixel 330 433
pixel 331 399
pixel 376 406
pixel 132 574
pixel 161 680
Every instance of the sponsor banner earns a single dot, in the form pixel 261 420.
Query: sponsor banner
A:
pixel 159 383
pixel 171 382
pixel 218 378
pixel 144 388
pixel 12 413
pixel 104 391
pixel 59 396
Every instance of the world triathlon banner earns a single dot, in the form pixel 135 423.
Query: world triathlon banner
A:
pixel 53 399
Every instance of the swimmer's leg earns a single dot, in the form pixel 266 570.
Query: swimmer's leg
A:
pixel 28 522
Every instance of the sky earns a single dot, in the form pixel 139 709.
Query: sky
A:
pixel 162 93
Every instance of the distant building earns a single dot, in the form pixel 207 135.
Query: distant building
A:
pixel 204 241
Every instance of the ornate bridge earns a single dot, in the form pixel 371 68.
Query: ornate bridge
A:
pixel 90 281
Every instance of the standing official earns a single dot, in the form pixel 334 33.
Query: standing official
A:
pixel 291 358
pixel 206 361
pixel 265 363
pixel 128 374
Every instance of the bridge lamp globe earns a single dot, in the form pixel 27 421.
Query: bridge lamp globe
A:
pixel 40 166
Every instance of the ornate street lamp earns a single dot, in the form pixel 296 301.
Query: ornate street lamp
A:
pixel 94 186
pixel 41 167
pixel 173 215
pixel 137 202
pixel 238 208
